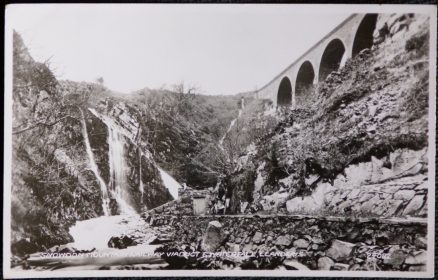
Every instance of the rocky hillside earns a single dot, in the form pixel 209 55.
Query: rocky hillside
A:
pixel 63 133
pixel 53 181
pixel 361 134
pixel 181 130
pixel 46 185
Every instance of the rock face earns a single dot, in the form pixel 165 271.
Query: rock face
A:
pixel 309 204
pixel 47 168
pixel 371 189
pixel 145 189
pixel 213 237
pixel 271 203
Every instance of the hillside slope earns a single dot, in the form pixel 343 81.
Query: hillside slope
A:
pixel 79 148
pixel 372 112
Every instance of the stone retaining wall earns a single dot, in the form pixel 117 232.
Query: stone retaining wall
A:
pixel 301 242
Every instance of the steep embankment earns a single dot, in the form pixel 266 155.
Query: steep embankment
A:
pixel 48 182
pixel 358 145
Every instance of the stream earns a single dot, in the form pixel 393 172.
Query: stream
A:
pixel 92 251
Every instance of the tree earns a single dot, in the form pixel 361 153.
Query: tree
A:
pixel 100 81
pixel 184 96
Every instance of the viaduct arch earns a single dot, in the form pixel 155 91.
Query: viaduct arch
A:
pixel 345 41
pixel 364 34
pixel 331 58
pixel 304 81
pixel 284 92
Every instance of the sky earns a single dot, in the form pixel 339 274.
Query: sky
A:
pixel 221 49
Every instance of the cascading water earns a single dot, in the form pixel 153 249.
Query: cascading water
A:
pixel 93 165
pixel 233 122
pixel 140 187
pixel 170 183
pixel 118 170
pixel 118 184
pixel 118 180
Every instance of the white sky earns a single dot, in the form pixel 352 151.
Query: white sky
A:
pixel 223 49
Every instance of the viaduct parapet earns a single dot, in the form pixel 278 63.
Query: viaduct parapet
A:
pixel 329 54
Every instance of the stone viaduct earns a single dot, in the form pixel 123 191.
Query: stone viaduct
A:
pixel 329 54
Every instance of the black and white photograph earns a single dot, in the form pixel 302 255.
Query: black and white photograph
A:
pixel 219 140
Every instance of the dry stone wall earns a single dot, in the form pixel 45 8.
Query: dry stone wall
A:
pixel 296 242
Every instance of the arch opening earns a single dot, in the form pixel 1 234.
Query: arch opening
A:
pixel 364 34
pixel 284 96
pixel 331 58
pixel 304 82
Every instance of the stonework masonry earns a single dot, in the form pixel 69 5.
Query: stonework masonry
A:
pixel 357 32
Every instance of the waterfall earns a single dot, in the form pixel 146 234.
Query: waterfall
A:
pixel 118 185
pixel 242 106
pixel 233 122
pixel 118 182
pixel 170 183
pixel 93 165
pixel 140 186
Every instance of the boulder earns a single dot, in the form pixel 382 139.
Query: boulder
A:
pixel 159 240
pixel 389 207
pixel 312 203
pixel 340 266
pixel 396 257
pixel 283 240
pixel 274 201
pixel 65 248
pixel 320 192
pixel 414 205
pixel 301 243
pixel 121 242
pixel 404 195
pixel 325 263
pixel 257 239
pixel 300 204
pixel 417 268
pixel 417 258
pixel 213 237
pixel 233 247
pixel 295 265
pixel 340 250
pixel 420 242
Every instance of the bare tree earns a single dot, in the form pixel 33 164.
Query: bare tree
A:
pixel 184 96
pixel 100 81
